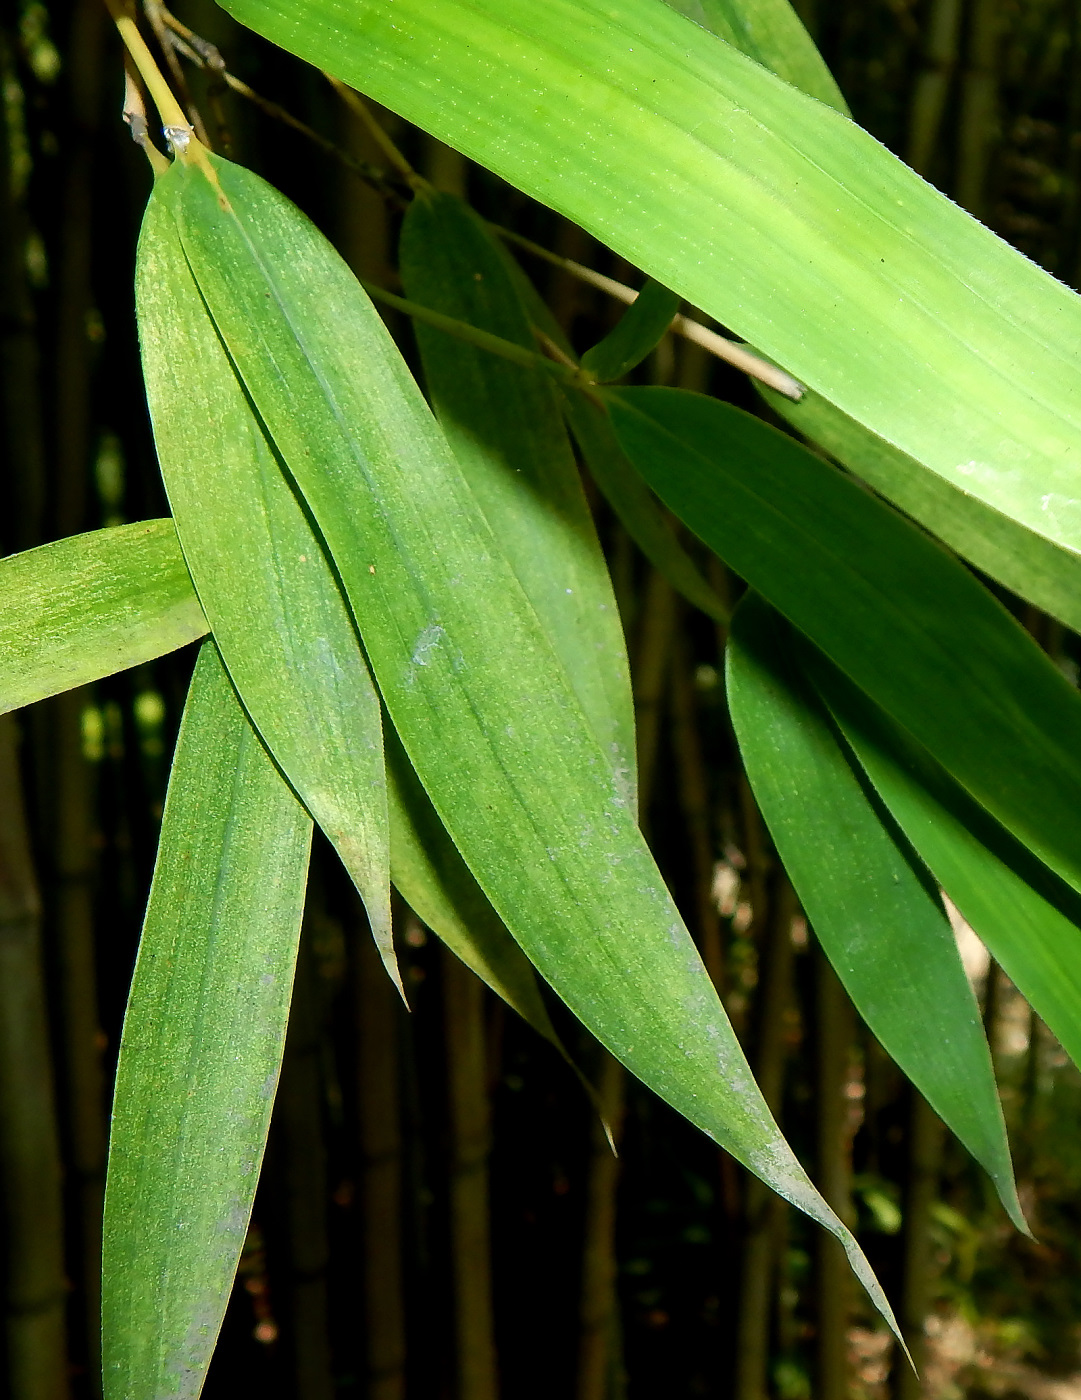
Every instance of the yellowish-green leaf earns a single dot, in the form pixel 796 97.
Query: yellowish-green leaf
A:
pixel 91 605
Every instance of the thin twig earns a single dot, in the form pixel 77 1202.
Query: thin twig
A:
pixel 153 11
pixel 378 133
pixel 684 326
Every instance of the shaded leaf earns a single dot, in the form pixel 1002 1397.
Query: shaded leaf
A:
pixel 201 1048
pixel 634 335
pixel 893 609
pixel 91 605
pixel 1044 573
pixel 880 922
pixel 1030 921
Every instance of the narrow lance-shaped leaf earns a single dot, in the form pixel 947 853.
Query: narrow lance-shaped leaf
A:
pixel 634 335
pixel 873 909
pixel 278 616
pixel 1044 573
pixel 1030 921
pixel 201 1048
pixel 770 32
pixel 91 605
pixel 893 609
pixel 483 707
pixel 505 427
pixel 772 212
pixel 287 633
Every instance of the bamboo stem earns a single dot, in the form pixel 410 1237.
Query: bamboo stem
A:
pixel 378 1013
pixel 943 28
pixel 835 1031
pixel 979 106
pixel 470 1127
pixel 599 1359
pixel 764 1211
pixel 34 1287
pixel 926 1135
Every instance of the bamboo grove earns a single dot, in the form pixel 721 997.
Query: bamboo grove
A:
pixel 408 679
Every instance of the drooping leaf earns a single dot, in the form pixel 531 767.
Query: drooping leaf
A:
pixel 893 609
pixel 881 924
pixel 1040 571
pixel 770 32
pixel 1030 921
pixel 91 605
pixel 769 210
pixel 483 707
pixel 634 335
pixel 505 427
pixel 278 615
pixel 201 1047
pixel 636 506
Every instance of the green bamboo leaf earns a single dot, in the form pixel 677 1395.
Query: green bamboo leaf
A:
pixel 1027 918
pixel 636 506
pixel 770 32
pixel 634 335
pixel 505 427
pixel 91 605
pixel 484 709
pixel 283 628
pixel 893 609
pixel 769 210
pixel 1044 573
pixel 201 1047
pixel 881 925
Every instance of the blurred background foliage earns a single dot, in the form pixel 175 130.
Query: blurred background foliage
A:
pixel 439 1214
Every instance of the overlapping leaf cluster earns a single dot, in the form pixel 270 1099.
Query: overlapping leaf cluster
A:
pixel 414 639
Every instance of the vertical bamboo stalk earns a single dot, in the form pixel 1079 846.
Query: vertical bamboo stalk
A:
pixel 599 1360
pixel 378 1012
pixel 764 1211
pixel 925 1141
pixel 979 106
pixel 835 1031
pixel 35 1292
pixel 694 795
pixel 932 87
pixel 470 1127
pixel 303 1157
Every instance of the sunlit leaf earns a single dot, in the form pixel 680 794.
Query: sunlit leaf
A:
pixel 880 922
pixel 91 605
pixel 473 687
pixel 201 1047
pixel 893 609
pixel 769 210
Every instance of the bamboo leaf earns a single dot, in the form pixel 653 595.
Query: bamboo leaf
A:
pixel 897 613
pixel 1038 570
pixel 1027 918
pixel 505 427
pixel 773 213
pixel 882 926
pixel 91 605
pixel 483 707
pixel 283 628
pixel 634 335
pixel 201 1047
pixel 636 506
pixel 770 32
